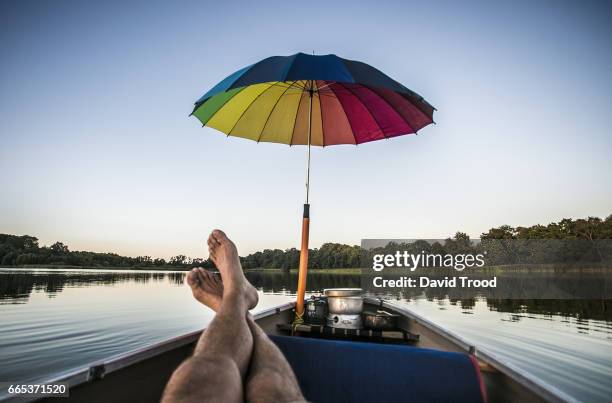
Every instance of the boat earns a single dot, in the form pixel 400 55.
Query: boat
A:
pixel 141 375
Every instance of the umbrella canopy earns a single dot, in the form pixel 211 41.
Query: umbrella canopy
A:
pixel 352 103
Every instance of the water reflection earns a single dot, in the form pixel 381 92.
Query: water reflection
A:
pixel 582 309
pixel 287 282
pixel 597 309
pixel 16 285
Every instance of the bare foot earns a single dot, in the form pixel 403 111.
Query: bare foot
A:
pixel 206 287
pixel 224 255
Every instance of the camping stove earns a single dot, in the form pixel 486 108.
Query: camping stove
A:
pixel 344 321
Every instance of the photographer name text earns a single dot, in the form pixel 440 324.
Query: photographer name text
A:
pixel 428 282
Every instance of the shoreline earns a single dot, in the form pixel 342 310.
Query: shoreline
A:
pixel 353 271
pixel 500 270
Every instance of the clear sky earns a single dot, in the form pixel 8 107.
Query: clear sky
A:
pixel 97 149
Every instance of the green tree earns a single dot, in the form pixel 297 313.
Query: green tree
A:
pixel 178 260
pixel 59 248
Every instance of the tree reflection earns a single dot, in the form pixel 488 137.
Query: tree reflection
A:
pixel 16 286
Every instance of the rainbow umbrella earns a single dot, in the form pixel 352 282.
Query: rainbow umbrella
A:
pixel 315 101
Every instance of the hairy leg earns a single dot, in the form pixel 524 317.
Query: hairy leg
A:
pixel 270 378
pixel 222 355
pixel 205 379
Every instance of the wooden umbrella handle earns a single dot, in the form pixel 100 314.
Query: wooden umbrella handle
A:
pixel 301 290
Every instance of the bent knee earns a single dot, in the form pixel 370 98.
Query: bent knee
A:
pixel 208 366
pixel 191 378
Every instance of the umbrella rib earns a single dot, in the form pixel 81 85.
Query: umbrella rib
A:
pixel 398 112
pixel 297 112
pixel 345 115
pixel 247 108
pixel 282 84
pixel 325 86
pixel 367 109
pixel 296 84
pixel 277 83
pixel 321 114
pixel 270 114
pixel 221 107
pixel 430 118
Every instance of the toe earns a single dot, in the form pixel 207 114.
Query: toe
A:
pixel 212 242
pixel 192 278
pixel 203 274
pixel 219 236
pixel 200 276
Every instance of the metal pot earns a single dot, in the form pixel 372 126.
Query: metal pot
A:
pixel 380 320
pixel 344 301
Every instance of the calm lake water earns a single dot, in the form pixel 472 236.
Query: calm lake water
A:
pixel 54 320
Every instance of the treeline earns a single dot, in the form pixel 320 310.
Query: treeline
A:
pixel 25 250
pixel 569 243
pixel 583 228
pixel 329 255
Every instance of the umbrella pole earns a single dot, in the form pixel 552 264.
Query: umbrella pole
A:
pixel 301 289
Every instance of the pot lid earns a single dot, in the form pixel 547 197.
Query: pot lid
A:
pixel 343 292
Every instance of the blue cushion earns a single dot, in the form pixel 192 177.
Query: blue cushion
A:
pixel 344 371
